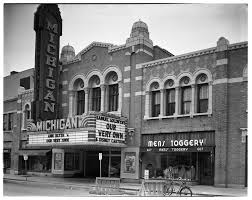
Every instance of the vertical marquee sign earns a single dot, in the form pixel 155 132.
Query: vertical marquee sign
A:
pixel 48 28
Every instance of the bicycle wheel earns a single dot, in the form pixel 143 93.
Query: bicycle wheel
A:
pixel 170 190
pixel 185 191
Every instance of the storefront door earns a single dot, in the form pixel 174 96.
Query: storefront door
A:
pixel 206 168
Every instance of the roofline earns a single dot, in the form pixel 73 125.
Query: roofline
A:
pixel 192 54
pixel 77 58
pixel 19 72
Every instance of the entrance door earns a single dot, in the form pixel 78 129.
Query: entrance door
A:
pixel 93 165
pixel 206 166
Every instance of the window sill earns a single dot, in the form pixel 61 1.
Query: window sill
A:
pixel 117 113
pixel 177 116
pixel 202 114
pixel 11 131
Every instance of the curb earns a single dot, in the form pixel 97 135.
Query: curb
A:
pixel 72 186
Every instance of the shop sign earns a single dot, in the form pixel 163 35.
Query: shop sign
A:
pixel 110 129
pixel 57 124
pixel 176 143
pixel 191 139
pixel 58 138
pixel 178 149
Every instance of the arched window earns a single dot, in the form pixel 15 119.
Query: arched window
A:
pixel 202 92
pixel 80 96
pixel 186 95
pixel 169 97
pixel 94 84
pixel 26 115
pixel 112 91
pixel 155 99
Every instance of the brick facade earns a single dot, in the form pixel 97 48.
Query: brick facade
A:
pixel 138 65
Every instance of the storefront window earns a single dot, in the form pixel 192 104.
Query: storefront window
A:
pixel 71 161
pixel 179 165
pixel 7 160
pixel 37 163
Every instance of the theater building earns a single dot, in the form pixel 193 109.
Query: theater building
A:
pixel 138 104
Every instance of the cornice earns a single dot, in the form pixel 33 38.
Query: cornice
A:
pixel 179 57
pixel 238 45
pixel 116 48
pixel 77 58
pixel 192 54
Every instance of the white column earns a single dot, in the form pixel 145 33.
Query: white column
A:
pixel 147 104
pixel 177 102
pixel 210 97
pixel 120 97
pixel 192 111
pixel 102 98
pixel 161 103
pixel 86 99
pixel 71 103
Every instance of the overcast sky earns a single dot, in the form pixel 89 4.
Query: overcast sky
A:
pixel 176 27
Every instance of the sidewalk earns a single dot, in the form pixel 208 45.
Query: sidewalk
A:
pixel 133 188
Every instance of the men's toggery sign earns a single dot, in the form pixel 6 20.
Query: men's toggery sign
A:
pixel 177 143
pixel 174 140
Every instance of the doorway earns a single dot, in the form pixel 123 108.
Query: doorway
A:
pixel 93 164
pixel 206 168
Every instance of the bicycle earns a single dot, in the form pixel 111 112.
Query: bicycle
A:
pixel 184 190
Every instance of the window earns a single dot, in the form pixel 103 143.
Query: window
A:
pixel 8 121
pixel 5 122
pixel 113 97
pixel 185 100
pixel 170 102
pixel 80 102
pixel 25 82
pixel 27 115
pixel 155 103
pixel 96 99
pixel 71 161
pixel 202 101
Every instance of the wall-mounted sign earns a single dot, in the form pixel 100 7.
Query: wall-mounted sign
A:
pixel 48 27
pixel 110 129
pixel 191 139
pixel 130 162
pixel 76 130
pixel 177 149
pixel 177 143
pixel 62 124
pixel 58 161
pixel 59 138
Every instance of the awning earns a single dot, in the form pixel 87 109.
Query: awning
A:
pixel 34 152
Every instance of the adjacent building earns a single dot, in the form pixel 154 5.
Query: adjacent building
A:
pixel 141 107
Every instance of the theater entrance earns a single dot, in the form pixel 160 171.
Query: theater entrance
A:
pixel 110 164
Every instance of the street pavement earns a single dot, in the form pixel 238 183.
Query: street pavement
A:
pixel 83 185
